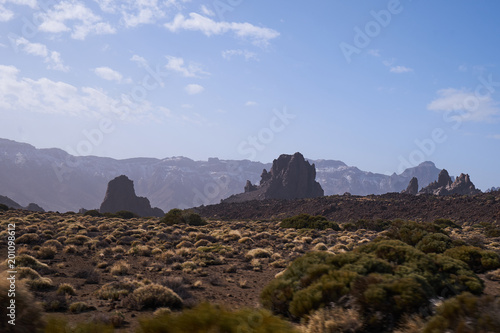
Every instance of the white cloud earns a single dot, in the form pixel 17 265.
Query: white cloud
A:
pixel 193 89
pixel 29 3
pixel 176 64
pixel 52 58
pixel 206 11
pixel 84 21
pixel 7 14
pixel 139 60
pixel 251 103
pixel 209 27
pixel 54 97
pixel 496 136
pixel 462 68
pixel 109 74
pixel 400 69
pixel 464 105
pixel 228 54
pixel 187 106
pixel 375 53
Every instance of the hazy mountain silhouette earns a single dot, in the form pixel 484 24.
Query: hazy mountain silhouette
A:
pixel 58 181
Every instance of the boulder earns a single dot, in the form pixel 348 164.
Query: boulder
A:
pixel 290 177
pixel 120 195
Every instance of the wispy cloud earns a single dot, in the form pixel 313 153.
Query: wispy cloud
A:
pixel 7 14
pixel 206 11
pixel 109 74
pixel 400 69
pixel 193 89
pixel 209 27
pixel 467 105
pixel 251 103
pixel 52 58
pixel 495 136
pixel 462 68
pixel 81 19
pixel 177 65
pixel 43 95
pixel 228 54
pixel 374 53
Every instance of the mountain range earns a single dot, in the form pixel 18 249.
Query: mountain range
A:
pixel 58 181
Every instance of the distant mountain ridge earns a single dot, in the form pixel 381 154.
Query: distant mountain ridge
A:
pixel 58 181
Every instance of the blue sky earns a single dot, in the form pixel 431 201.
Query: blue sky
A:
pixel 382 85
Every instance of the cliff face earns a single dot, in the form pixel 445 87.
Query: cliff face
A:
pixel 412 187
pixel 290 177
pixel 120 195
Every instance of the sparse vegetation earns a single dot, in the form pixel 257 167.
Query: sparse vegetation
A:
pixel 328 279
pixel 306 221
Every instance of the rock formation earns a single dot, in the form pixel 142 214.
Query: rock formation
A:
pixel 412 187
pixel 14 205
pixel 444 185
pixel 290 177
pixel 120 195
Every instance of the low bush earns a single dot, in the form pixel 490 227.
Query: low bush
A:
pixel 28 238
pixel 27 313
pixel 79 307
pixel 434 243
pixel 118 289
pixel 374 225
pixel 93 213
pixel 66 289
pixel 57 325
pixel 153 296
pixel 177 216
pixel 212 318
pixel 331 320
pixel 306 221
pixel 385 279
pixel 478 260
pixel 412 232
pixel 466 313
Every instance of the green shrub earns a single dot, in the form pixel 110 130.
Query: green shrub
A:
pixel 479 260
pixel 153 296
pixel 412 232
pixel 375 225
pixel 212 318
pixel 444 223
pixel 434 243
pixel 177 216
pixel 385 279
pixel 93 213
pixel 125 214
pixel 306 221
pixel 28 313
pixel 467 314
pixel 57 325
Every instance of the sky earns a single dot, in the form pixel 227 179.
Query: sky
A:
pixel 381 85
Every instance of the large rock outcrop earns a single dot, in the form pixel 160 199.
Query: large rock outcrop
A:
pixel 290 177
pixel 120 195
pixel 445 186
pixel 412 187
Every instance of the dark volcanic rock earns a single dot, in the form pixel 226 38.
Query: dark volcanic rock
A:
pixel 444 185
pixel 412 187
pixel 120 195
pixel 290 177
